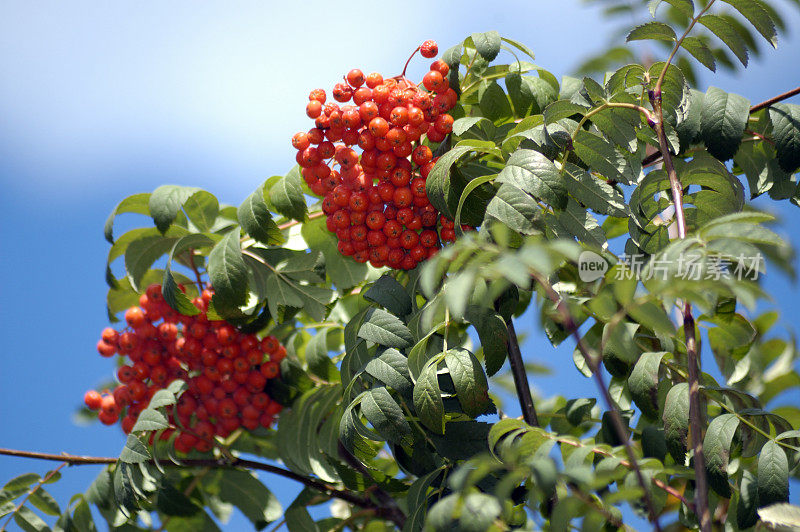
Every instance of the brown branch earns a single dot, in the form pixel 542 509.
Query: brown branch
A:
pixel 616 417
pixel 311 216
pixel 332 491
pixel 521 378
pixel 696 418
pixel 775 99
pixel 196 272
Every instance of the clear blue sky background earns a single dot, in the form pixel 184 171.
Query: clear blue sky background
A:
pixel 102 100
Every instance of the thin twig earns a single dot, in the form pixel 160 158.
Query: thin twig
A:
pixel 616 418
pixel 521 377
pixel 292 223
pixel 318 485
pixel 196 271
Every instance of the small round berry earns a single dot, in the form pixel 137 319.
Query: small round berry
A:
pixel 314 109
pixel 92 399
pixel 355 78
pixel 429 49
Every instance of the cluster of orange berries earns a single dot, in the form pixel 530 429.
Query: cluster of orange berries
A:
pixel 375 201
pixel 225 370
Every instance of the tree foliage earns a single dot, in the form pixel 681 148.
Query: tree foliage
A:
pixel 391 380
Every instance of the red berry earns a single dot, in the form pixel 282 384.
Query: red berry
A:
pixel 429 49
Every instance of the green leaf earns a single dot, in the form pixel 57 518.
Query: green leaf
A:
pixel 759 17
pixel 773 475
pixel 472 388
pixel 727 34
pixel 286 194
pixel 487 44
pixel 227 270
pixel 437 183
pixel 781 516
pixel 786 133
pixel 174 296
pixel 44 502
pixel 493 335
pixel 247 493
pixel 166 201
pixel 746 515
pixel 643 383
pixel 343 271
pixel 519 46
pixel 124 494
pixel 385 329
pixel 389 294
pixel 428 400
pixel 723 121
pixel 562 109
pixel 383 412
pixel 535 174
pixel 494 102
pixel 652 30
pixel 22 481
pixel 391 368
pixel 134 452
pixel 676 421
pixel 150 419
pixel 700 51
pixel 298 518
pixel 171 501
pixel 29 521
pixel 202 209
pixel 595 193
pixel 576 222
pixel 717 450
pixel 138 204
pixel 142 253
pixel 256 220
pixel 686 7
pixel 514 208
pixel 462 125
pixel 601 156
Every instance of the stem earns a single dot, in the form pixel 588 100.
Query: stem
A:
pixel 408 61
pixel 616 417
pixel 775 99
pixel 521 378
pixel 311 216
pixel 323 487
pixel 196 271
pixel 38 485
pixel 696 421
pixel 388 505
pixel 678 46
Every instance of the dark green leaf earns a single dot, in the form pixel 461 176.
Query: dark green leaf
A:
pixel 514 208
pixel 383 412
pixel 727 34
pixel 142 253
pixel 286 194
pixel 138 203
pixel 202 209
pixel 493 335
pixel 533 173
pixel 428 400
pixel 171 501
pixel 643 383
pixel 601 156
pixel 652 30
pixel 759 17
pixel 676 421
pixel 746 515
pixel 391 368
pixel 494 103
pixel 723 122
pixel 247 493
pixel 773 475
pixel 256 220
pixel 166 201
pixel 786 133
pixel 389 294
pixel 595 193
pixel 134 452
pixel 562 109
pixel 472 389
pixel 717 450
pixel 29 521
pixel 227 270
pixel 487 44
pixel 700 51
pixel 385 329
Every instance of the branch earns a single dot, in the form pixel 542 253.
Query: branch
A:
pixel 774 100
pixel 521 378
pixel 616 417
pixel 696 422
pixel 332 491
pixel 292 223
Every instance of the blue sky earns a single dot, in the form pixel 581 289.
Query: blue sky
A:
pixel 100 101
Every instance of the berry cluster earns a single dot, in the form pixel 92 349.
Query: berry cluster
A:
pixel 375 201
pixel 225 370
